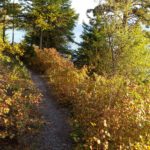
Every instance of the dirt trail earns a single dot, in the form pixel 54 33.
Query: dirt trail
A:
pixel 55 134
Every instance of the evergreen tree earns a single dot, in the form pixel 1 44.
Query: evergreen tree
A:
pixel 14 12
pixel 50 23
pixel 114 42
pixel 10 11
pixel 4 14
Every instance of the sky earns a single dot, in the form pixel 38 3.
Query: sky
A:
pixel 19 35
pixel 80 7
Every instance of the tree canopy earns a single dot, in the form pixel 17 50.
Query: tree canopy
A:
pixel 114 42
pixel 52 23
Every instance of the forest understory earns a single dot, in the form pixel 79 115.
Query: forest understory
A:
pixel 53 97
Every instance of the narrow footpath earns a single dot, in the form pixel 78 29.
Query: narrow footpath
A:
pixel 55 135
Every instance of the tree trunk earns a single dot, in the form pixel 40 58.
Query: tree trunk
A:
pixel 13 28
pixel 41 39
pixel 113 60
pixel 13 34
pixel 4 23
pixel 125 15
pixel 47 40
pixel 125 19
pixel 4 30
pixel 112 55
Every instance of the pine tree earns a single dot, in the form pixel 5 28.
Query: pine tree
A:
pixel 116 42
pixel 14 12
pixel 4 13
pixel 52 23
pixel 9 16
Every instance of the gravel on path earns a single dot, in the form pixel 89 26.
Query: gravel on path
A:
pixel 55 134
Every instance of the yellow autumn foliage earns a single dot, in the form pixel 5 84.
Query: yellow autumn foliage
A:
pixel 112 113
pixel 18 99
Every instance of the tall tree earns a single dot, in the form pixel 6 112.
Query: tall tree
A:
pixel 114 42
pixel 4 13
pixel 14 11
pixel 10 11
pixel 52 23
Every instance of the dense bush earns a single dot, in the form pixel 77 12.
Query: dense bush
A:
pixel 18 98
pixel 112 112
pixel 61 73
